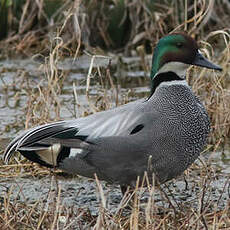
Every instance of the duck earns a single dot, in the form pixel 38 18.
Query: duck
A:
pixel 159 136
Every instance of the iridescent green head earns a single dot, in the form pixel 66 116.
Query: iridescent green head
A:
pixel 174 53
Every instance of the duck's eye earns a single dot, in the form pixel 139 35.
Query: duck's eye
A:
pixel 179 44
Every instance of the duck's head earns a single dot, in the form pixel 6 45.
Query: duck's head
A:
pixel 173 55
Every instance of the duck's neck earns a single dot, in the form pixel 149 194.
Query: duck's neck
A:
pixel 170 71
pixel 163 77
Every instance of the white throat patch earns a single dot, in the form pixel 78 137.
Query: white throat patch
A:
pixel 175 82
pixel 177 67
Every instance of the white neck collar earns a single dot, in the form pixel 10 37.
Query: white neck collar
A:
pixel 174 82
pixel 178 68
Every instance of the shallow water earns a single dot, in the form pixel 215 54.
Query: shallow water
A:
pixel 79 191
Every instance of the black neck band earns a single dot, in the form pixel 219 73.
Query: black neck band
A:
pixel 163 77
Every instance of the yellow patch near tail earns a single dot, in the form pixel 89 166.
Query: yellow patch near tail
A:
pixel 50 155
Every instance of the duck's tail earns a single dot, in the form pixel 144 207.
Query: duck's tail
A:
pixel 48 144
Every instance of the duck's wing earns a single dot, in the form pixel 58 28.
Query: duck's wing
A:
pixel 50 144
pixel 115 159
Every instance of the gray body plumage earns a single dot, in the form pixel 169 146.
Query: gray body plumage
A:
pixel 162 135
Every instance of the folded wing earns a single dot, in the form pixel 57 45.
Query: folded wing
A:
pixel 50 144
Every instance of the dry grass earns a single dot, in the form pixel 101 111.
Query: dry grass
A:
pixel 213 87
pixel 44 104
pixel 121 25
pixel 132 212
